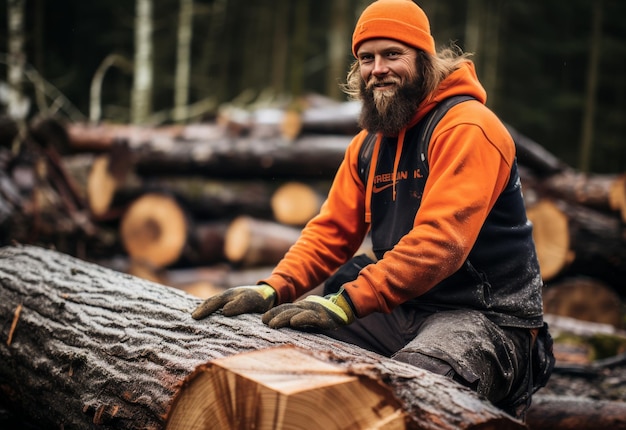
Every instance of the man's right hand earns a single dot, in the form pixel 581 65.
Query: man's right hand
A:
pixel 238 300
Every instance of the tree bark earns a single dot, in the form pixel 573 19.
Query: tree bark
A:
pixel 590 190
pixel 209 151
pixel 141 96
pixel 183 59
pixel 568 413
pixel 18 104
pixel 84 345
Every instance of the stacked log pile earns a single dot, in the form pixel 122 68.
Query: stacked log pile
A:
pixel 207 206
pixel 207 200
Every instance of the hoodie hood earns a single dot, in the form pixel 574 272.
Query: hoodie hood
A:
pixel 463 81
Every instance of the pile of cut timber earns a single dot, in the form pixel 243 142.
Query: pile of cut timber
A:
pixel 207 206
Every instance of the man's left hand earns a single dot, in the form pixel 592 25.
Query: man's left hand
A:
pixel 327 313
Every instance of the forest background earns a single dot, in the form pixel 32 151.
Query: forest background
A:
pixel 554 70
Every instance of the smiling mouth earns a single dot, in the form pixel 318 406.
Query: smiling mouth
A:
pixel 383 85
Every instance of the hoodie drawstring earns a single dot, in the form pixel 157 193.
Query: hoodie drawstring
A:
pixel 396 161
pixel 370 179
pixel 372 171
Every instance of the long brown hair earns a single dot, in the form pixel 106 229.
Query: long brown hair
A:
pixel 431 69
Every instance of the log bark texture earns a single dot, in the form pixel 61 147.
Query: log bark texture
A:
pixel 575 413
pixel 85 346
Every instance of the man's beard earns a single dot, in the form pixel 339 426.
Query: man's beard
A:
pixel 388 112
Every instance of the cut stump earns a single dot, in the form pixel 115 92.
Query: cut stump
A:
pixel 282 388
pixel 154 230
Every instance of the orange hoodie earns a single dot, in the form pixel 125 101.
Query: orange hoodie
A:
pixel 470 158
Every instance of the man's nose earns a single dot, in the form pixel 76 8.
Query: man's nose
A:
pixel 380 66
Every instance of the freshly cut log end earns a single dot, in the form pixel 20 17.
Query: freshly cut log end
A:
pixel 552 238
pixel 291 125
pixel 154 230
pixel 100 186
pixel 584 299
pixel 617 196
pixel 295 203
pixel 255 242
pixel 281 388
pixel 107 173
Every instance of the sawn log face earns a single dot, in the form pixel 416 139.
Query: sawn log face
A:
pixel 94 346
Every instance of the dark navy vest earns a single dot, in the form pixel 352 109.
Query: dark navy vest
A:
pixel 501 276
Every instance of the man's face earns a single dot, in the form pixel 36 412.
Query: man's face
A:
pixel 391 91
pixel 385 66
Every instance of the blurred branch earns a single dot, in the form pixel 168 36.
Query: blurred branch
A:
pixel 95 93
pixel 45 89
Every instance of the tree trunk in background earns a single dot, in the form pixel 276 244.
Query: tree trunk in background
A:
pixel 491 49
pixel 298 48
pixel 256 47
pixel 338 47
pixel 280 50
pixel 586 139
pixel 141 97
pixel 17 103
pixel 206 71
pixel 183 60
pixel 475 10
pixel 482 34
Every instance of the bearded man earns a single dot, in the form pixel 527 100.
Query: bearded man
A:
pixel 455 287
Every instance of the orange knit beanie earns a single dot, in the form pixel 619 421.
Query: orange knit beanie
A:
pixel 401 20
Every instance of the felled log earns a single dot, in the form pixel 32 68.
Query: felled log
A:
pixel 534 156
pixel 595 191
pixel 85 346
pixel 552 238
pixel 585 347
pixel 617 196
pixel 296 391
pixel 256 242
pixel 216 154
pixel 574 237
pixel 559 324
pixel 585 299
pixel 108 172
pixel 295 203
pixel 154 230
pixel 204 198
pixel 84 137
pixel 306 157
pixel 575 413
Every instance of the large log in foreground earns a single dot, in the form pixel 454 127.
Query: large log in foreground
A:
pixel 83 345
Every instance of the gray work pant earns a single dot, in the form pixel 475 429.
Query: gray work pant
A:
pixel 461 344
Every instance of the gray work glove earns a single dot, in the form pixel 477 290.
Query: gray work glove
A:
pixel 313 312
pixel 238 300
